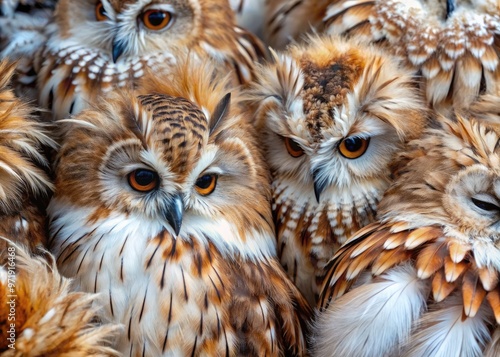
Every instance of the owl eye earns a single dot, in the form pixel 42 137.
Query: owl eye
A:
pixel 352 148
pixel 293 148
pixel 156 19
pixel 487 206
pixel 205 184
pixel 143 180
pixel 100 12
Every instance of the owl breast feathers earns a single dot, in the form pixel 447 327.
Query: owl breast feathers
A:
pixel 95 46
pixel 162 206
pixel 423 279
pixel 331 115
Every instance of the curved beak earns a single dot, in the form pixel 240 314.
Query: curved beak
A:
pixel 118 49
pixel 174 213
pixel 319 184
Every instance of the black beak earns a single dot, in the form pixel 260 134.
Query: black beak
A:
pixel 174 213
pixel 450 7
pixel 319 185
pixel 118 49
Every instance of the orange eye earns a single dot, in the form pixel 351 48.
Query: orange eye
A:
pixel 293 148
pixel 205 184
pixel 100 12
pixel 156 19
pixel 143 180
pixel 352 148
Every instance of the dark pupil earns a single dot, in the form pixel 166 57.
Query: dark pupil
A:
pixel 204 181
pixel 156 18
pixel 144 177
pixel 102 11
pixel 353 144
pixel 295 146
pixel 485 205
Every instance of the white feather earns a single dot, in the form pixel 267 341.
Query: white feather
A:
pixel 443 333
pixel 372 319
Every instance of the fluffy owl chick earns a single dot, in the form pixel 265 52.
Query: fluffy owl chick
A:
pixel 331 114
pixel 40 316
pixel 423 280
pixel 95 46
pixel 162 206
pixel 452 45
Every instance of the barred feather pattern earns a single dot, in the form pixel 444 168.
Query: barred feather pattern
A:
pixel 453 50
pixel 214 286
pixel 76 64
pixel 317 95
pixel 437 240
pixel 48 318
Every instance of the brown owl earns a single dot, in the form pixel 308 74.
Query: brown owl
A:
pixel 331 114
pixel 423 279
pixel 162 207
pixel 452 45
pixel 39 316
pixel 97 46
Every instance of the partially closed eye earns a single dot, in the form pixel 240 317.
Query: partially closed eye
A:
pixel 206 184
pixel 484 205
pixel 293 148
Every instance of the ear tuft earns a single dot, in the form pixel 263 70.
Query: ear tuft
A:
pixel 220 112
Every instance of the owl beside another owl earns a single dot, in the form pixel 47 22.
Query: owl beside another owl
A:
pixel 423 279
pixel 95 46
pixel 39 315
pixel 162 206
pixel 331 115
pixel 452 45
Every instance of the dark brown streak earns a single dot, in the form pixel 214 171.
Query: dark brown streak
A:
pixel 143 304
pixel 184 284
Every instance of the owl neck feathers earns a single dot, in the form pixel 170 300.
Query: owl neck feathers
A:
pixel 70 223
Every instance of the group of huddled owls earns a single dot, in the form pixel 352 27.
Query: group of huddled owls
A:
pixel 250 178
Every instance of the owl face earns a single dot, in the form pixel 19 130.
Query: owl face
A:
pixel 167 161
pixel 333 115
pixel 135 28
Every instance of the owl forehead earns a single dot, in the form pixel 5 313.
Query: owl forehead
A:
pixel 325 88
pixel 179 128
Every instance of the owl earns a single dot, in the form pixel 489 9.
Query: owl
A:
pixel 39 314
pixel 330 114
pixel 162 205
pixel 250 14
pixel 96 46
pixel 452 45
pixel 423 279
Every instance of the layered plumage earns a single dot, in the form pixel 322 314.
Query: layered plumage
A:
pixel 162 206
pixel 24 185
pixel 452 45
pixel 330 114
pixel 423 279
pixel 93 47
pixel 49 319
pixel 39 315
